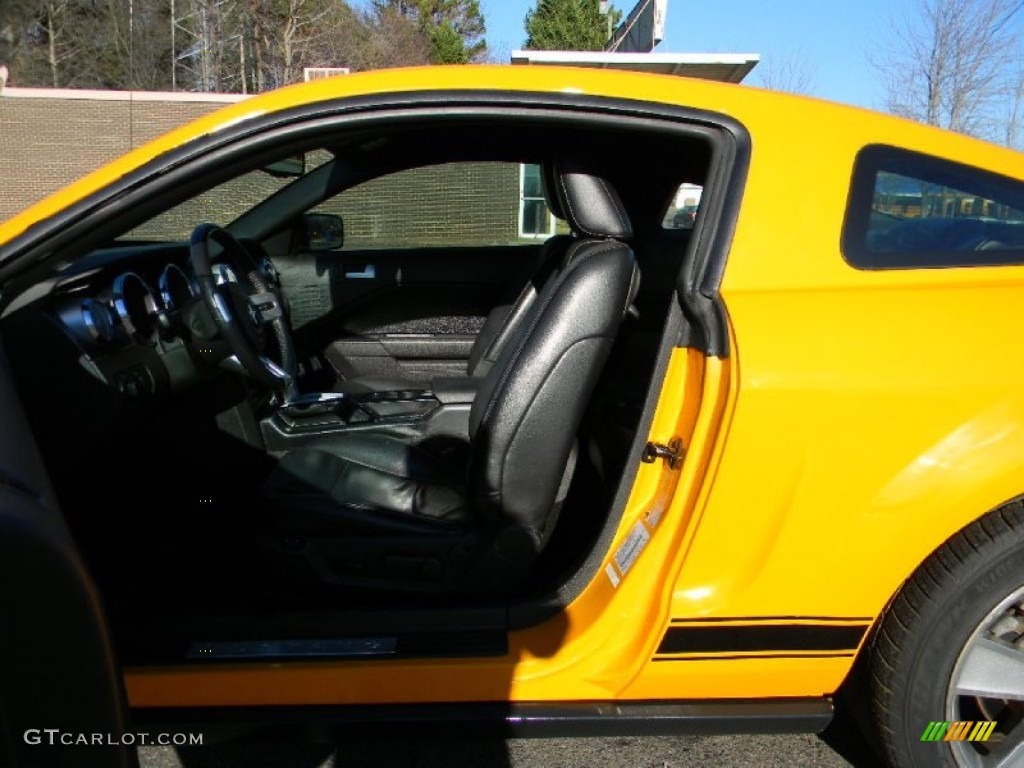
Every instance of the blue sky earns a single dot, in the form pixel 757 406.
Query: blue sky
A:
pixel 832 39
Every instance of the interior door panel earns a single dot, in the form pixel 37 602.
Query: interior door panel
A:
pixel 407 312
pixel 413 356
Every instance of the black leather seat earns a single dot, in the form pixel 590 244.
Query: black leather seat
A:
pixel 502 321
pixel 392 511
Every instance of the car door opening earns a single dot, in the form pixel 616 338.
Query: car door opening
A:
pixel 481 466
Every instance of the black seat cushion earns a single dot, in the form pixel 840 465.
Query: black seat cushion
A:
pixel 379 484
pixel 399 511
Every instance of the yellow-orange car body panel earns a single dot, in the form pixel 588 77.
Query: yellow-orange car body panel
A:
pixel 860 419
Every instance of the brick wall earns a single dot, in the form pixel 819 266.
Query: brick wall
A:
pixel 455 204
pixel 50 138
pixel 47 142
pixel 449 205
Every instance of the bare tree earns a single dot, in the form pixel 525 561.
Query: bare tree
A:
pixel 951 64
pixel 288 35
pixel 1013 130
pixel 204 45
pixel 209 44
pixel 91 44
pixel 53 17
pixel 383 37
pixel 39 39
pixel 789 72
pixel 15 17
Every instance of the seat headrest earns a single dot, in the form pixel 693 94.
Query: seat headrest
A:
pixel 591 205
pixel 549 183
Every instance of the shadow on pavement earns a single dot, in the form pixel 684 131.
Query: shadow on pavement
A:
pixel 843 736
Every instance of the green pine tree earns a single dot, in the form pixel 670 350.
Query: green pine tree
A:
pixel 569 25
pixel 455 28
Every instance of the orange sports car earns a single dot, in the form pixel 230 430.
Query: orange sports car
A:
pixel 547 399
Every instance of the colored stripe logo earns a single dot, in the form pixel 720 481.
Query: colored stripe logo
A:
pixel 960 730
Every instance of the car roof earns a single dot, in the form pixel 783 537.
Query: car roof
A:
pixel 786 121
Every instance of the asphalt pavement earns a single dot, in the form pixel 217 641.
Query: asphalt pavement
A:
pixel 836 749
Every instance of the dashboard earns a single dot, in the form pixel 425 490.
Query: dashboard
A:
pixel 135 315
pixel 130 306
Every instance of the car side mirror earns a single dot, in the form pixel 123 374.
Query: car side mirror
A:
pixel 323 231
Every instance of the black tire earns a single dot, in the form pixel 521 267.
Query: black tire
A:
pixel 912 655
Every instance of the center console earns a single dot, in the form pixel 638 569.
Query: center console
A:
pixel 441 410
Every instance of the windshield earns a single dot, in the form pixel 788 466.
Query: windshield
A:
pixel 225 202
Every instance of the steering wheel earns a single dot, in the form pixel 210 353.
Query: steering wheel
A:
pixel 244 306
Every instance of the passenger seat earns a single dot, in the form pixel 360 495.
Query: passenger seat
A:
pixel 503 321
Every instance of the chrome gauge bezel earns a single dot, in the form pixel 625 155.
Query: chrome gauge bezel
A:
pixel 172 279
pixel 97 320
pixel 134 326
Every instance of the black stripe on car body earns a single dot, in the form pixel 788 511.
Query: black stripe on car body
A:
pixel 760 638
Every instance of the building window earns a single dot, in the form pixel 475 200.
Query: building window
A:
pixel 535 219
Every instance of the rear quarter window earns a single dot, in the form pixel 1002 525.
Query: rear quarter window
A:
pixel 908 210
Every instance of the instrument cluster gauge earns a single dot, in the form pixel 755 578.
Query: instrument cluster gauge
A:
pixel 135 305
pixel 177 287
pixel 98 320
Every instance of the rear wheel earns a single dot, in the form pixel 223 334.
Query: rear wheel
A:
pixel 950 651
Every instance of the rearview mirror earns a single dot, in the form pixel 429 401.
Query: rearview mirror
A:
pixel 287 168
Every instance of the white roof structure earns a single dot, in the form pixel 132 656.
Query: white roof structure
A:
pixel 723 67
pixel 642 30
